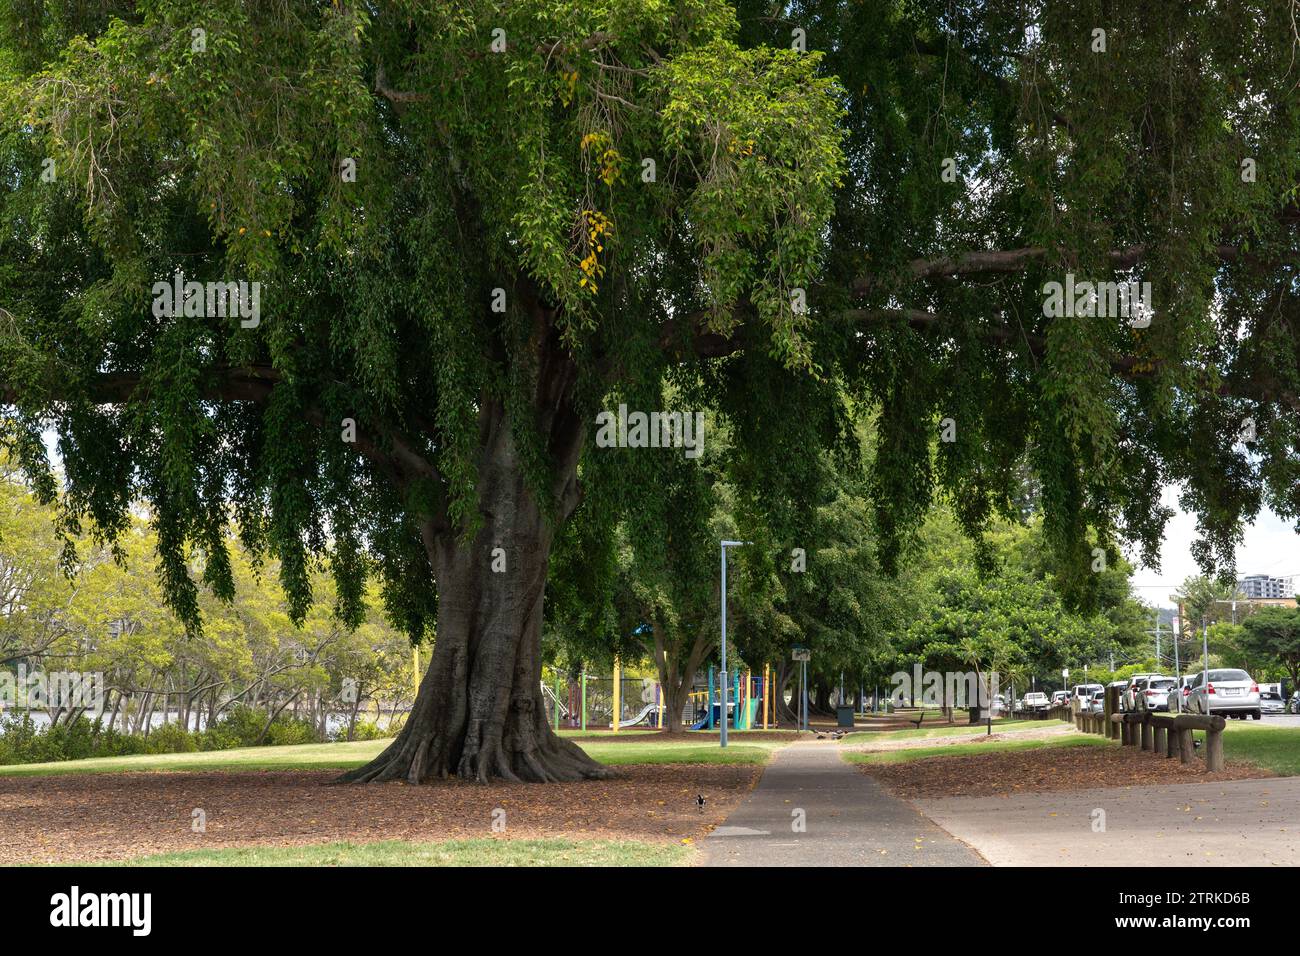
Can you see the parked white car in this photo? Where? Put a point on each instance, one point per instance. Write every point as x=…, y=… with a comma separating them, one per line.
x=1228, y=692
x=1128, y=700
x=1097, y=702
x=1082, y=693
x=1152, y=693
x=1037, y=701
x=1123, y=686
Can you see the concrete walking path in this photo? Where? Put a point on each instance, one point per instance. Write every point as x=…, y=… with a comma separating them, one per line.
x=1233, y=823
x=850, y=820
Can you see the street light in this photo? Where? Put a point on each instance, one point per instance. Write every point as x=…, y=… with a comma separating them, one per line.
x=725, y=546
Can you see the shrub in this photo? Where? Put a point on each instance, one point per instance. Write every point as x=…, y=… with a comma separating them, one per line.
x=23, y=740
x=285, y=731
x=364, y=730
x=171, y=739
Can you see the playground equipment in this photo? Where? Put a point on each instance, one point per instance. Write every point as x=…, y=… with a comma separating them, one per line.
x=591, y=702
x=749, y=699
x=647, y=711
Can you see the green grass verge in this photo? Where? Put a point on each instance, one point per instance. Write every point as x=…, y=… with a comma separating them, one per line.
x=446, y=853
x=344, y=756
x=687, y=752
x=1269, y=746
x=971, y=750
x=948, y=730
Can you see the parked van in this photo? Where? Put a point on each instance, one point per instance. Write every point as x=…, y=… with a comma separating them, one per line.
x=1081, y=694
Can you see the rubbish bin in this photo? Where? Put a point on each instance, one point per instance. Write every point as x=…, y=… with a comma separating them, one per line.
x=844, y=715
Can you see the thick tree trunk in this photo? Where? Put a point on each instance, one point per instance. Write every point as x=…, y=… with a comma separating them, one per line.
x=676, y=684
x=821, y=704
x=784, y=713
x=480, y=714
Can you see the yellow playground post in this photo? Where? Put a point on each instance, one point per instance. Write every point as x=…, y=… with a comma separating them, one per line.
x=415, y=671
x=618, y=688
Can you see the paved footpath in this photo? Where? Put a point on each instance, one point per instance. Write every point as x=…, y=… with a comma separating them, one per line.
x=1233, y=823
x=850, y=820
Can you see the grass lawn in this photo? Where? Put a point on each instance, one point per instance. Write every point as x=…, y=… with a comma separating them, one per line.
x=1270, y=746
x=445, y=853
x=971, y=749
x=946, y=729
x=343, y=756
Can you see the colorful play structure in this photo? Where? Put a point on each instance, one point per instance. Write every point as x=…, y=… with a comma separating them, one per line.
x=591, y=702
x=748, y=703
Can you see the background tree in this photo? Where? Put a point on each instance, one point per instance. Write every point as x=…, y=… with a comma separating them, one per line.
x=1273, y=634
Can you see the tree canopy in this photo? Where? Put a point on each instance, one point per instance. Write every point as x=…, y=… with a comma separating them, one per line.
x=465, y=230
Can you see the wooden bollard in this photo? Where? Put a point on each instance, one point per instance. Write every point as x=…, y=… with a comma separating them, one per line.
x=1213, y=727
x=1214, y=750
x=1165, y=741
x=1146, y=731
x=1110, y=710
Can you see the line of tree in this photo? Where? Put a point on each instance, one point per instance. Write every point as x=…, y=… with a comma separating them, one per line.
x=104, y=614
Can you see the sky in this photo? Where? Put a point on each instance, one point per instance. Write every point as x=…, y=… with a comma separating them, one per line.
x=1270, y=546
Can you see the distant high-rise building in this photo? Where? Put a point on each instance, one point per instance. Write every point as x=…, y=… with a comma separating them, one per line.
x=1260, y=587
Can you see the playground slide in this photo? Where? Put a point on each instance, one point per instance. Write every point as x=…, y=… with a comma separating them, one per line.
x=749, y=719
x=639, y=717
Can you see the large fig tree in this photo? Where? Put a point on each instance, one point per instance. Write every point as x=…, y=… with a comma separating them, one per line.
x=478, y=226
x=462, y=230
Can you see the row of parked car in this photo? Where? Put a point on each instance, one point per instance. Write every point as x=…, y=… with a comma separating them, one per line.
x=1228, y=692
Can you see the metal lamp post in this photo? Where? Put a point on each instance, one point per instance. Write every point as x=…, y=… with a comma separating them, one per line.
x=725, y=546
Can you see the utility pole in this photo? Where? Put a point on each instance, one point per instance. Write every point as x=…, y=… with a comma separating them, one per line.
x=1205, y=636
x=1182, y=619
